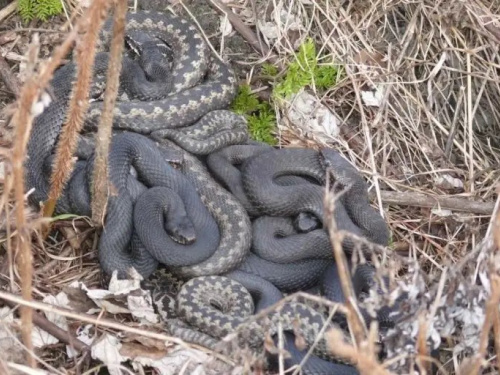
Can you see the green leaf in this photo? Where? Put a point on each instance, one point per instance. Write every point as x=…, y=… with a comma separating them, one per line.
x=325, y=76
x=259, y=115
x=41, y=9
x=303, y=71
x=25, y=8
x=269, y=70
x=245, y=102
x=65, y=217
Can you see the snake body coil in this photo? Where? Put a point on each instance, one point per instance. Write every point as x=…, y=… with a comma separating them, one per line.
x=170, y=208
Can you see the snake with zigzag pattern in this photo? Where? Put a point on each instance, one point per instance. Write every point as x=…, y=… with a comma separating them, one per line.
x=161, y=131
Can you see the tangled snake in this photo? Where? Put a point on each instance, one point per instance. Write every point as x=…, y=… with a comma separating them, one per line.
x=162, y=131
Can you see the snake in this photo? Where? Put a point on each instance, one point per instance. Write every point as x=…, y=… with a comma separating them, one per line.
x=160, y=130
x=276, y=184
x=197, y=86
x=230, y=301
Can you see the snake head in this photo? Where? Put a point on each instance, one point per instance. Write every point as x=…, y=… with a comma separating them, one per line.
x=173, y=157
x=182, y=231
x=306, y=222
x=343, y=172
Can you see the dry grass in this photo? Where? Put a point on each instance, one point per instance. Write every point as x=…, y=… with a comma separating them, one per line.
x=436, y=65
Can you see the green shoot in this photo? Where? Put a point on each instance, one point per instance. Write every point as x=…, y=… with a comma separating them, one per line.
x=41, y=9
x=260, y=115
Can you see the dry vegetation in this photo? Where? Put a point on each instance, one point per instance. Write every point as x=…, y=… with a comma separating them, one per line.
x=429, y=149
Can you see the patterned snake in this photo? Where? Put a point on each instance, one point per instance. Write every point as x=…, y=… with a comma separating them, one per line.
x=162, y=130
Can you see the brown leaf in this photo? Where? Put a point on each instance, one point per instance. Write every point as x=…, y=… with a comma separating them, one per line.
x=145, y=341
x=134, y=350
x=78, y=300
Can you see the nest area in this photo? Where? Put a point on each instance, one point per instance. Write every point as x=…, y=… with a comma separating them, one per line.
x=418, y=114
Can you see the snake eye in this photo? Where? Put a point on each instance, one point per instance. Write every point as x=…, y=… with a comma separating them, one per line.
x=216, y=304
x=132, y=45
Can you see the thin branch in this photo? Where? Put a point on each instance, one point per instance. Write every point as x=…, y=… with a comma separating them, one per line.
x=23, y=119
x=49, y=327
x=8, y=11
x=92, y=22
x=345, y=279
x=243, y=29
x=100, y=175
x=104, y=323
x=432, y=201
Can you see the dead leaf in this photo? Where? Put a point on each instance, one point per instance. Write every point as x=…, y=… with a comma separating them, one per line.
x=308, y=114
x=134, y=350
x=79, y=300
x=145, y=341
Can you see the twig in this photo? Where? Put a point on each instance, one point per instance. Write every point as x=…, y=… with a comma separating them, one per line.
x=345, y=280
x=10, y=79
x=483, y=18
x=100, y=175
x=453, y=127
x=8, y=10
x=363, y=350
x=103, y=322
x=92, y=22
x=22, y=120
x=431, y=201
x=54, y=330
x=368, y=136
x=243, y=29
x=256, y=17
x=422, y=344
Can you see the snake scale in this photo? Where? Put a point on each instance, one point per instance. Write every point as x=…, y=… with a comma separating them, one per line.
x=193, y=194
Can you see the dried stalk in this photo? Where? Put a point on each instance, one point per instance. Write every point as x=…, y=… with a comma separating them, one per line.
x=431, y=201
x=51, y=328
x=92, y=20
x=422, y=344
x=8, y=11
x=243, y=29
x=103, y=322
x=336, y=238
x=100, y=175
x=23, y=119
x=363, y=351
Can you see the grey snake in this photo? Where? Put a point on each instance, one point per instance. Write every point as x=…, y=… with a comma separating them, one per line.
x=182, y=198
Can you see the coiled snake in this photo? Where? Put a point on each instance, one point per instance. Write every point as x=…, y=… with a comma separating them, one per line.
x=184, y=118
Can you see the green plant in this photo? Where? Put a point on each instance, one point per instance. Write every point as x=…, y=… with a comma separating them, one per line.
x=269, y=70
x=262, y=124
x=41, y=9
x=245, y=102
x=259, y=114
x=305, y=70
